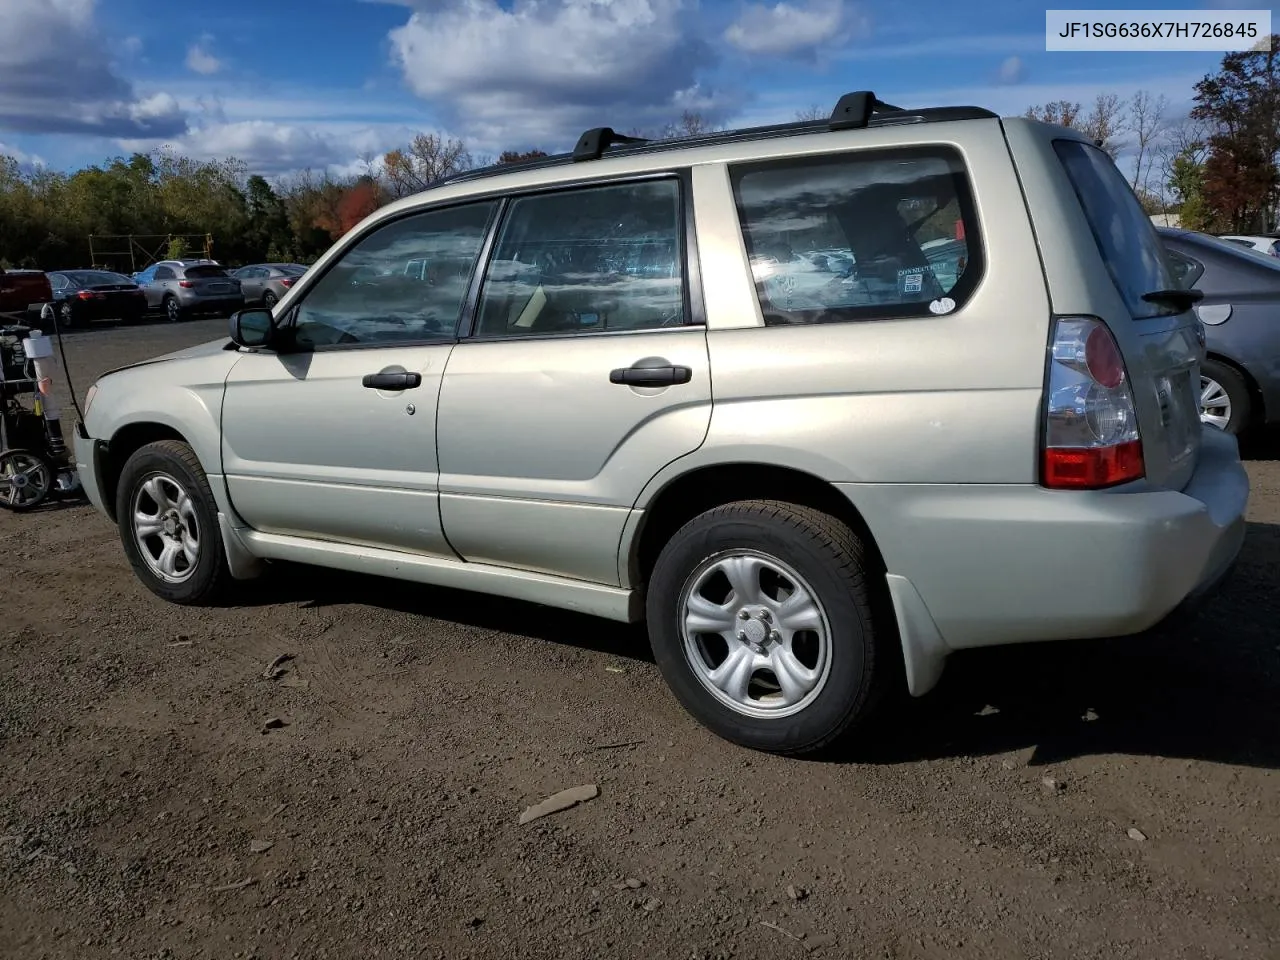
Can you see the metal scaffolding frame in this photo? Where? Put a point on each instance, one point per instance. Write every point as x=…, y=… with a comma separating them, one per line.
x=146, y=248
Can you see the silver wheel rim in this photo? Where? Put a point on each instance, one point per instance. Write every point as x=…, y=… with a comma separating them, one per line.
x=755, y=634
x=171, y=307
x=165, y=528
x=24, y=479
x=1215, y=403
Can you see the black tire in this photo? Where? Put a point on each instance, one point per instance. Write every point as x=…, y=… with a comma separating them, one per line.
x=208, y=576
x=833, y=561
x=1237, y=391
x=172, y=308
x=67, y=318
x=269, y=300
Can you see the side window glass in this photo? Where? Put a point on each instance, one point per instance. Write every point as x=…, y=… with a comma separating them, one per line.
x=369, y=295
x=585, y=261
x=164, y=273
x=859, y=236
x=58, y=282
x=1185, y=270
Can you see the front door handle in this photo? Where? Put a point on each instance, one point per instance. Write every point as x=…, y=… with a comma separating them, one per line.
x=392, y=381
x=639, y=375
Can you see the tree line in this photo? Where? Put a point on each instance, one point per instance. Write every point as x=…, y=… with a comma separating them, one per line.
x=1216, y=167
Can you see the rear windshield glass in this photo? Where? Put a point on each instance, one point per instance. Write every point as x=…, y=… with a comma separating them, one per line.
x=1125, y=235
x=198, y=273
x=97, y=277
x=293, y=270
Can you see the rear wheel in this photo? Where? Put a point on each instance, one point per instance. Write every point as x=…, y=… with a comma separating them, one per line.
x=762, y=621
x=168, y=523
x=1224, y=397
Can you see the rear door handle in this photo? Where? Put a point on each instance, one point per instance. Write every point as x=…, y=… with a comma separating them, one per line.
x=392, y=381
x=655, y=376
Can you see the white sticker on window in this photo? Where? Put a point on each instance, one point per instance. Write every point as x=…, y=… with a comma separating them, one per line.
x=944, y=305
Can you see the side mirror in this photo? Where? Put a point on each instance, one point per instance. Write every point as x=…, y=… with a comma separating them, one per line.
x=253, y=328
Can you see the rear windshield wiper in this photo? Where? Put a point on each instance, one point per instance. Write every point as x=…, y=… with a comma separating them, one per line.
x=1179, y=299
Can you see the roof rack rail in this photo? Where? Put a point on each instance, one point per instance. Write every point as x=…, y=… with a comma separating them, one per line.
x=854, y=110
x=593, y=143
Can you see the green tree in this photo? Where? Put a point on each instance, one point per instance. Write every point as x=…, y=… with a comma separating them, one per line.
x=1241, y=106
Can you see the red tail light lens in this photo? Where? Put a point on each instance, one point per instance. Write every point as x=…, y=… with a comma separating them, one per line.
x=186, y=284
x=1091, y=437
x=84, y=295
x=286, y=281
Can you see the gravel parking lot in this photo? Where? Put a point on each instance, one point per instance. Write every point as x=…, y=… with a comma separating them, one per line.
x=1112, y=799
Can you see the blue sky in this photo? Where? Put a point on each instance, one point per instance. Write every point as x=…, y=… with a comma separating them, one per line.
x=287, y=84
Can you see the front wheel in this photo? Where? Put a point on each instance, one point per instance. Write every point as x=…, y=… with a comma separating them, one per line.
x=269, y=300
x=168, y=524
x=763, y=621
x=172, y=309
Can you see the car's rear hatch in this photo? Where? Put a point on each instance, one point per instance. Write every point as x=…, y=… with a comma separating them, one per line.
x=211, y=281
x=1103, y=258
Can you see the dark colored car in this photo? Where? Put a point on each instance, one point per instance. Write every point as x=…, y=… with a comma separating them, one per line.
x=266, y=283
x=1240, y=380
x=82, y=296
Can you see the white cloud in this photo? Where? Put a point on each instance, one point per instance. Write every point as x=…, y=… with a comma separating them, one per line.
x=201, y=61
x=272, y=148
x=1012, y=70
x=24, y=159
x=56, y=76
x=541, y=71
x=795, y=29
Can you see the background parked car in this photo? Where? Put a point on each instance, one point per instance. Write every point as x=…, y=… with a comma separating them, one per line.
x=22, y=294
x=1240, y=381
x=81, y=296
x=1268, y=245
x=265, y=283
x=184, y=287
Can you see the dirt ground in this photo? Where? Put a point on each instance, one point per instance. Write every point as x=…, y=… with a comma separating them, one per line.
x=1104, y=800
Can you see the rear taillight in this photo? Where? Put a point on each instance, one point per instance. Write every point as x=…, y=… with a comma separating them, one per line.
x=90, y=295
x=286, y=281
x=1091, y=437
x=187, y=284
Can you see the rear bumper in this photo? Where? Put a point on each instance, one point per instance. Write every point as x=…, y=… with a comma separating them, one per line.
x=982, y=565
x=228, y=303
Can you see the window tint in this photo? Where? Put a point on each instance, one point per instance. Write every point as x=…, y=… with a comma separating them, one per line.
x=367, y=296
x=595, y=259
x=97, y=277
x=57, y=281
x=858, y=236
x=203, y=272
x=165, y=273
x=1125, y=235
x=293, y=270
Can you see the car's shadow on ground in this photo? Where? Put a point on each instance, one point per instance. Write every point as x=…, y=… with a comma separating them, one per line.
x=1207, y=688
x=1261, y=445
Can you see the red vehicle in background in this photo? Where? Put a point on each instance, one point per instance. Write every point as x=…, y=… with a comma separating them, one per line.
x=22, y=294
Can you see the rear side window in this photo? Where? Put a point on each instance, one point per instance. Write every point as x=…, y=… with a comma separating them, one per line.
x=1125, y=235
x=1185, y=270
x=865, y=236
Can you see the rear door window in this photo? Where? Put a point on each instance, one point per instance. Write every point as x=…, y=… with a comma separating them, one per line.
x=1124, y=234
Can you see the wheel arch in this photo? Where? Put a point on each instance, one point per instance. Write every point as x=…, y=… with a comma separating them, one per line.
x=123, y=444
x=688, y=494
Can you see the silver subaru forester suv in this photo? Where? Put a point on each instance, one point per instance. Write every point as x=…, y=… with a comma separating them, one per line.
x=821, y=403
